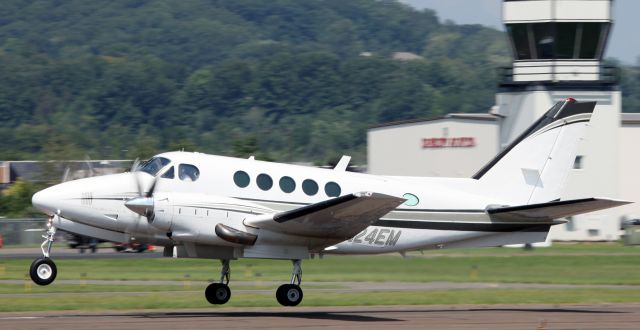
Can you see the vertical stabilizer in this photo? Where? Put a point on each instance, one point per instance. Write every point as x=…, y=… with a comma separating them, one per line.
x=535, y=166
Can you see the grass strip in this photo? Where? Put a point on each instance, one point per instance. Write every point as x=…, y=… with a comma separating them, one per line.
x=566, y=269
x=162, y=300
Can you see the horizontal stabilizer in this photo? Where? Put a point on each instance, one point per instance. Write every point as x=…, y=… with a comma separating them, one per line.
x=338, y=218
x=552, y=210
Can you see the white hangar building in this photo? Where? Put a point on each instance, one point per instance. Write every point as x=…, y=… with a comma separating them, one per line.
x=558, y=47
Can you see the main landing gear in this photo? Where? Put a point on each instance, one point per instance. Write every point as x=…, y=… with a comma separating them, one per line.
x=291, y=294
x=219, y=293
x=287, y=294
x=43, y=270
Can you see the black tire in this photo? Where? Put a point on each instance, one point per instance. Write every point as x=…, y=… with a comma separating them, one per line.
x=43, y=271
x=289, y=295
x=217, y=293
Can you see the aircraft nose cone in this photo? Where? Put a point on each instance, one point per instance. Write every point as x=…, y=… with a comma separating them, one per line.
x=44, y=201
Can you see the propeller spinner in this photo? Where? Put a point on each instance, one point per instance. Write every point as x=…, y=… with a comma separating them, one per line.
x=143, y=204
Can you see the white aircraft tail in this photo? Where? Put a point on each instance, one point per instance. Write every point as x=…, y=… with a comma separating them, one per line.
x=534, y=167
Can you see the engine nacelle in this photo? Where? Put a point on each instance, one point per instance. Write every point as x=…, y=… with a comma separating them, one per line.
x=162, y=218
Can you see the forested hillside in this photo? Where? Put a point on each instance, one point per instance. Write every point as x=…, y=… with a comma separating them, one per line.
x=291, y=80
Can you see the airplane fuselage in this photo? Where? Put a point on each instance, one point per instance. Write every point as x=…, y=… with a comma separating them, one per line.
x=438, y=212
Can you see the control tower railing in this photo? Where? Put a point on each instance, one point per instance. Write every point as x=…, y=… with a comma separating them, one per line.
x=591, y=72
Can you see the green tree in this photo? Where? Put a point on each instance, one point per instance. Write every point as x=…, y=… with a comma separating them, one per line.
x=15, y=201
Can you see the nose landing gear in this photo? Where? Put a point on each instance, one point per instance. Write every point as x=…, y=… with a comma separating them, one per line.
x=219, y=293
x=43, y=270
x=291, y=294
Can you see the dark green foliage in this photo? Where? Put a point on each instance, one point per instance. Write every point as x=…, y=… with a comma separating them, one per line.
x=283, y=78
x=15, y=201
x=630, y=85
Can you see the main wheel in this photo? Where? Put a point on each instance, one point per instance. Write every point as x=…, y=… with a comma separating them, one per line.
x=43, y=271
x=289, y=295
x=217, y=293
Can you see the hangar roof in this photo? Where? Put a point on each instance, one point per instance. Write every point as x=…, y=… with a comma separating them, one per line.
x=450, y=116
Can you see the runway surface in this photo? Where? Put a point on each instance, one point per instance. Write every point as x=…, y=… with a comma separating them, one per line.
x=378, y=317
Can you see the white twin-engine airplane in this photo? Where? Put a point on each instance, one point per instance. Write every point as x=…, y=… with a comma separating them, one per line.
x=204, y=206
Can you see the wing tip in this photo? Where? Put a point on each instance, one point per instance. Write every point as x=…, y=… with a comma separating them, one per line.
x=617, y=202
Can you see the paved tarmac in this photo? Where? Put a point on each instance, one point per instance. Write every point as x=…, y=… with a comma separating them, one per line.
x=309, y=286
x=497, y=317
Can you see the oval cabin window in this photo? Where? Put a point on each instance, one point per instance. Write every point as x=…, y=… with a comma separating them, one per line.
x=332, y=189
x=264, y=182
x=241, y=179
x=309, y=187
x=287, y=184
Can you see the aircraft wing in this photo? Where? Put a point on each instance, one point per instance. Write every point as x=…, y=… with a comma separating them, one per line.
x=552, y=210
x=338, y=218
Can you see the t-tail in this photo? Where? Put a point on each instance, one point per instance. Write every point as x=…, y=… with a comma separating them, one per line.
x=530, y=174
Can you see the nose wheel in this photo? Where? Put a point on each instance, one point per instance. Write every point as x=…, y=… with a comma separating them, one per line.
x=43, y=270
x=291, y=294
x=219, y=293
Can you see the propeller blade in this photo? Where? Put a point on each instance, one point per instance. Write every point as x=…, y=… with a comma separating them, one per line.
x=135, y=165
x=152, y=188
x=65, y=176
x=87, y=160
x=138, y=183
x=142, y=205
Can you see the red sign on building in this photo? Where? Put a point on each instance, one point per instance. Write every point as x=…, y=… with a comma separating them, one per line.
x=444, y=142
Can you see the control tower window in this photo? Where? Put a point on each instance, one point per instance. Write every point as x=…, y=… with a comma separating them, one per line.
x=544, y=39
x=520, y=39
x=590, y=42
x=563, y=40
x=566, y=40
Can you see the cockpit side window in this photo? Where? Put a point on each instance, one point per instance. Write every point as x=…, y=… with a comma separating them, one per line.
x=168, y=174
x=153, y=165
x=187, y=172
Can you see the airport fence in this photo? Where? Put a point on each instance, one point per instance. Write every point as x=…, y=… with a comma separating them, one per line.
x=22, y=231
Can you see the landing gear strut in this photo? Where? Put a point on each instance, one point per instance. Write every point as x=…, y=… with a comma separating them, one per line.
x=43, y=270
x=219, y=293
x=291, y=294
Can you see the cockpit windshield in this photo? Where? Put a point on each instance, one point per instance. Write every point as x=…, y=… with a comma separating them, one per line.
x=153, y=165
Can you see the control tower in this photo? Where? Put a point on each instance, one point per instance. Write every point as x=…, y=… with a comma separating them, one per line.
x=557, y=47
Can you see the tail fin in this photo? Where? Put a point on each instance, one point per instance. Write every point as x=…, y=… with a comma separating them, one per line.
x=535, y=166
